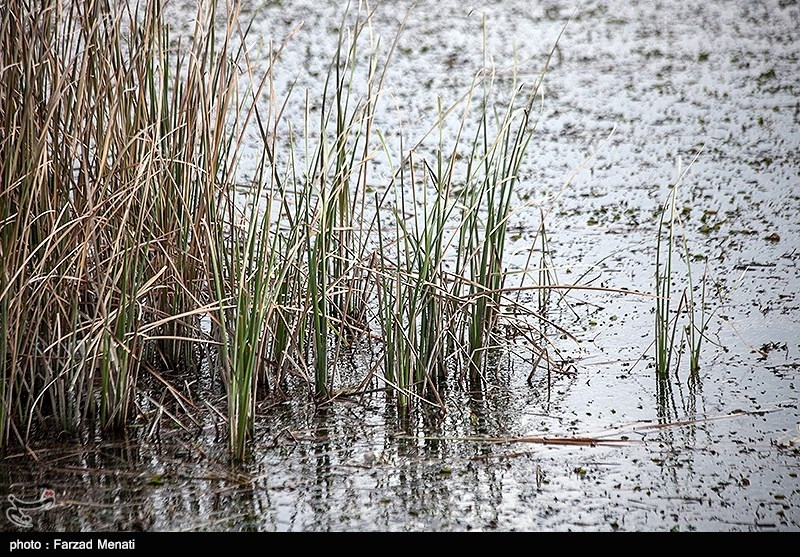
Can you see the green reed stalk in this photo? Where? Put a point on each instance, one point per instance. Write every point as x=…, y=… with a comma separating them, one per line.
x=698, y=320
x=664, y=327
x=251, y=262
x=245, y=264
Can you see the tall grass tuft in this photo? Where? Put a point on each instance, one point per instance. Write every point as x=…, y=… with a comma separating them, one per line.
x=667, y=315
x=82, y=177
x=333, y=197
x=441, y=288
x=498, y=151
x=412, y=297
x=112, y=147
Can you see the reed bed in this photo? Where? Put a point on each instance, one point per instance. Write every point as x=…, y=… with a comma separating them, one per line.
x=131, y=248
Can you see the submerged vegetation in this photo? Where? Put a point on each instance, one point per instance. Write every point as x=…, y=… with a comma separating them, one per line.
x=132, y=251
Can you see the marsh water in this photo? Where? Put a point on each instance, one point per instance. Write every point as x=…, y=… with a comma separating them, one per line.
x=636, y=95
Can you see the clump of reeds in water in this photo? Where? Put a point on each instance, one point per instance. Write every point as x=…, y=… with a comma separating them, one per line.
x=123, y=225
x=113, y=148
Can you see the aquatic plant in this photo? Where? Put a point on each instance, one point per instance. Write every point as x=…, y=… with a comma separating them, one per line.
x=696, y=312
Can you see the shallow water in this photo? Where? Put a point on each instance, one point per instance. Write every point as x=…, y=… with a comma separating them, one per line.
x=635, y=92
